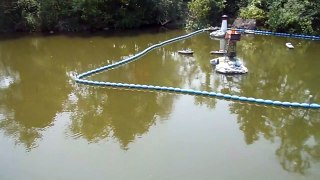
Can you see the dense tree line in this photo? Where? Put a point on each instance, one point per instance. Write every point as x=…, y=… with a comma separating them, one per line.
x=82, y=15
x=284, y=15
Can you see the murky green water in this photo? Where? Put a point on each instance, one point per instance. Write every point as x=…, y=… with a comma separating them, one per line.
x=53, y=128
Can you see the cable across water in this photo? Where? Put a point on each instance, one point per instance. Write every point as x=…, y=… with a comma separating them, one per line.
x=81, y=78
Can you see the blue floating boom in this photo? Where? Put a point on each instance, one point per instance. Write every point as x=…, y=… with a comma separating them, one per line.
x=79, y=78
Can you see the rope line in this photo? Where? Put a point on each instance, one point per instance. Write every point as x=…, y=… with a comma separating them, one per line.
x=80, y=78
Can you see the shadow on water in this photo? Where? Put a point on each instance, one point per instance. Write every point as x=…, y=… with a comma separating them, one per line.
x=125, y=115
x=120, y=115
x=30, y=90
x=102, y=34
x=296, y=130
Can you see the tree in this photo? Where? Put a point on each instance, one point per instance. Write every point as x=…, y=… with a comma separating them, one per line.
x=168, y=10
x=294, y=16
x=204, y=12
x=252, y=11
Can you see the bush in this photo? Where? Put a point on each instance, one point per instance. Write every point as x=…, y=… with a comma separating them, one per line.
x=204, y=12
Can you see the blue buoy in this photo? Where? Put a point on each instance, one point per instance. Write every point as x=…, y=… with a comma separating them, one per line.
x=295, y=104
x=235, y=97
x=212, y=94
x=315, y=105
x=219, y=95
x=305, y=105
x=197, y=92
x=206, y=93
x=277, y=103
x=227, y=96
x=243, y=98
x=268, y=102
x=259, y=100
x=250, y=99
x=285, y=104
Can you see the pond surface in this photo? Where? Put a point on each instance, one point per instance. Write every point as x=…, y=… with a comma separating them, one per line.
x=54, y=128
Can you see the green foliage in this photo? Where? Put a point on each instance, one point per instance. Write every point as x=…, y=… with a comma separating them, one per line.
x=52, y=12
x=168, y=10
x=252, y=12
x=30, y=13
x=296, y=16
x=78, y=15
x=292, y=15
x=201, y=12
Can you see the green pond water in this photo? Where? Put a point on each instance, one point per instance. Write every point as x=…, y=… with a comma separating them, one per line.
x=54, y=128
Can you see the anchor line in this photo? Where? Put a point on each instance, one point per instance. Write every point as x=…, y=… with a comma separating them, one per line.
x=80, y=78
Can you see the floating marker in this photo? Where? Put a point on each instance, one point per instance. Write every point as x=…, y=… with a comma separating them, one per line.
x=259, y=100
x=268, y=102
x=198, y=92
x=305, y=105
x=219, y=95
x=295, y=104
x=235, y=97
x=315, y=105
x=205, y=93
x=285, y=104
x=243, y=98
x=250, y=99
x=278, y=103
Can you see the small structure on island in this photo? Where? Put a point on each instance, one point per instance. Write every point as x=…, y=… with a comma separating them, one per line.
x=222, y=31
x=230, y=64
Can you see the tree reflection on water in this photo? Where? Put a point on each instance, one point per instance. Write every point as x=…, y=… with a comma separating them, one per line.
x=296, y=129
x=30, y=103
x=122, y=115
x=278, y=74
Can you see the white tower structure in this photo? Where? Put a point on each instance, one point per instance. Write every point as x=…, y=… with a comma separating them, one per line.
x=224, y=24
x=222, y=31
